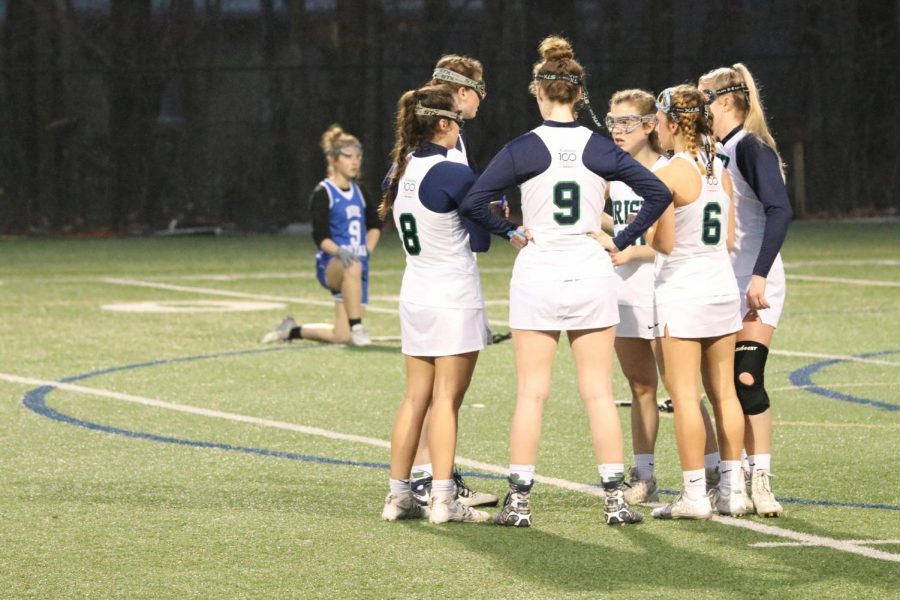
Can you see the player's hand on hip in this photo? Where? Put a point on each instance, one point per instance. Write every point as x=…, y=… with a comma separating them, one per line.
x=604, y=240
x=519, y=238
x=623, y=257
x=756, y=293
x=346, y=256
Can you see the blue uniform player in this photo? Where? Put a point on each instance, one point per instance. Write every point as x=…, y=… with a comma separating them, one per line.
x=346, y=229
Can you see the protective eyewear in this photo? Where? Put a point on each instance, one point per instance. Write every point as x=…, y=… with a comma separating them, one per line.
x=351, y=151
x=713, y=95
x=664, y=104
x=627, y=123
x=448, y=76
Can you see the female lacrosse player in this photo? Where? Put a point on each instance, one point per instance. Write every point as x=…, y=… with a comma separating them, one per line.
x=632, y=123
x=562, y=281
x=346, y=230
x=462, y=77
x=441, y=308
x=697, y=305
x=761, y=223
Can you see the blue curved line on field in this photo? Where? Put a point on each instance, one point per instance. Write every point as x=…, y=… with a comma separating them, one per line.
x=802, y=378
x=35, y=401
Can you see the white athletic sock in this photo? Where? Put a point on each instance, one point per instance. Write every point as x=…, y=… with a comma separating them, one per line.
x=644, y=464
x=611, y=474
x=745, y=461
x=521, y=474
x=711, y=463
x=443, y=488
x=421, y=471
x=732, y=478
x=400, y=487
x=694, y=484
x=762, y=462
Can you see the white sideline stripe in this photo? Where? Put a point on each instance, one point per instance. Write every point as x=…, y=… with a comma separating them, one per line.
x=560, y=483
x=855, y=542
x=844, y=262
x=808, y=539
x=841, y=280
x=390, y=311
x=230, y=294
x=870, y=361
x=831, y=386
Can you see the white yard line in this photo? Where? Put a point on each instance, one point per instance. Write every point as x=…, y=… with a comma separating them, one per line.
x=854, y=542
x=231, y=294
x=843, y=357
x=843, y=281
x=807, y=539
x=833, y=386
x=843, y=262
x=392, y=311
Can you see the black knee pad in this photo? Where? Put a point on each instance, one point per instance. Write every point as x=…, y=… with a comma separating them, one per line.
x=750, y=357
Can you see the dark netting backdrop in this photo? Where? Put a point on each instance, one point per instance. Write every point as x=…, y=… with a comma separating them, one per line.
x=131, y=115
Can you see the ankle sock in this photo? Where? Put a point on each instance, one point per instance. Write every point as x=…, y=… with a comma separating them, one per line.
x=644, y=464
x=761, y=462
x=732, y=478
x=400, y=487
x=295, y=333
x=611, y=475
x=443, y=488
x=694, y=484
x=521, y=475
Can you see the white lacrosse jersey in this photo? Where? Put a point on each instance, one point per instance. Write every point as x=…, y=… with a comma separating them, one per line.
x=560, y=206
x=749, y=216
x=440, y=267
x=699, y=264
x=637, y=278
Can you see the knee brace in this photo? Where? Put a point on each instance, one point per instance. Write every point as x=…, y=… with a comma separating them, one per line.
x=750, y=358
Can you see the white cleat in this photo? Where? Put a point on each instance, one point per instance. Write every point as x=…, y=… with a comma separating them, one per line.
x=470, y=497
x=733, y=504
x=397, y=508
x=763, y=499
x=640, y=491
x=359, y=336
x=282, y=333
x=449, y=508
x=685, y=508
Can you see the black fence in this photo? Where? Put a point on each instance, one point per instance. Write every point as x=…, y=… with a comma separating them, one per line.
x=127, y=115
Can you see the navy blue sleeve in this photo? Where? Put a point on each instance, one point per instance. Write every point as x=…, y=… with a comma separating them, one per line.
x=518, y=161
x=612, y=163
x=444, y=186
x=758, y=164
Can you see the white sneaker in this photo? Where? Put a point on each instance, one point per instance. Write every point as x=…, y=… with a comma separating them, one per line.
x=359, y=336
x=448, y=508
x=763, y=499
x=685, y=508
x=470, y=497
x=282, y=333
x=640, y=491
x=731, y=505
x=402, y=507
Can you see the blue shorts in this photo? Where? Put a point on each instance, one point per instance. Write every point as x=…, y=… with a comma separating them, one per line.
x=322, y=262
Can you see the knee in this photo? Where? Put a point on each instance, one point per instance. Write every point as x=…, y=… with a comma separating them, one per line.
x=354, y=270
x=749, y=377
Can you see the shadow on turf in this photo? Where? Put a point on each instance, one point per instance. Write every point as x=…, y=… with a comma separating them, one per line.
x=632, y=558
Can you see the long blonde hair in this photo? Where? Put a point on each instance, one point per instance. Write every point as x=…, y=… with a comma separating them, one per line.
x=749, y=104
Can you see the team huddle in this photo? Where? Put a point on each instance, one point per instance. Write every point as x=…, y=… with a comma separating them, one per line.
x=660, y=244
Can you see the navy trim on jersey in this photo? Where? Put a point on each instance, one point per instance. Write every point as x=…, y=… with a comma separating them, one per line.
x=444, y=186
x=430, y=149
x=518, y=161
x=731, y=134
x=612, y=163
x=758, y=165
x=573, y=124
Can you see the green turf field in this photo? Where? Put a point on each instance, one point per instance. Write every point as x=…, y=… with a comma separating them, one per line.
x=142, y=493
